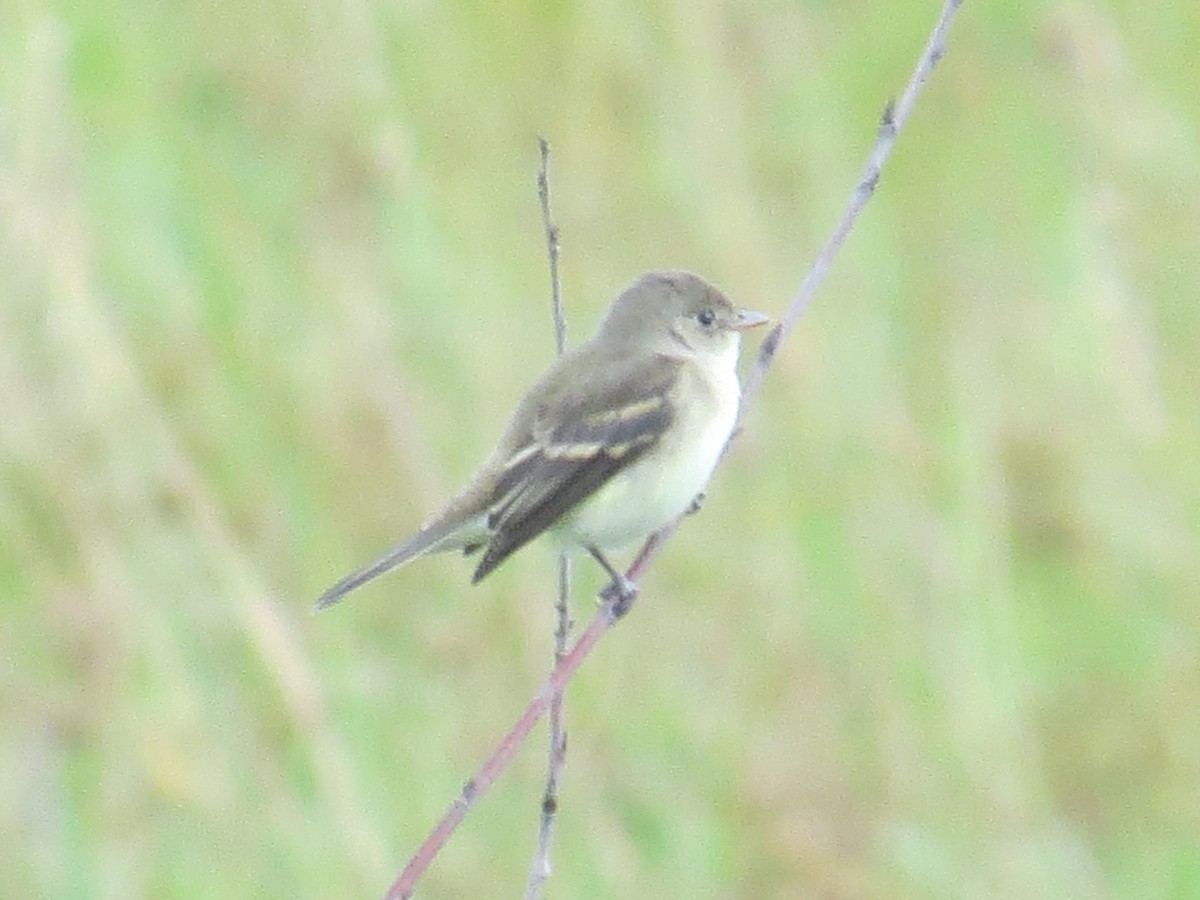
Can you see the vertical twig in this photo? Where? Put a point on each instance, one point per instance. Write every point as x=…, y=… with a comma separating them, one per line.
x=402, y=887
x=543, y=189
x=539, y=869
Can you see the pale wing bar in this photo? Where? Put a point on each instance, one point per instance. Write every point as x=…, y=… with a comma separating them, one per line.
x=550, y=478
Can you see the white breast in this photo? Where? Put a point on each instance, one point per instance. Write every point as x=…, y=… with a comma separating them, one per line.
x=660, y=486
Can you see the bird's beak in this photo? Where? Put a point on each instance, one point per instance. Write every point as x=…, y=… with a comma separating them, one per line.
x=748, y=318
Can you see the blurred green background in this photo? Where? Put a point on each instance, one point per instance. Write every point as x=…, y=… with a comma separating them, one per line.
x=271, y=276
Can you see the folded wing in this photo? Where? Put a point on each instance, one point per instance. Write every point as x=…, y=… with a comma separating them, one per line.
x=575, y=447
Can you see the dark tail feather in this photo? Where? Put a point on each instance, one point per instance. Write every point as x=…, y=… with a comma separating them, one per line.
x=397, y=556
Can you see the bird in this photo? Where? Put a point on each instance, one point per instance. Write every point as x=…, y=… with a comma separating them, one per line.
x=616, y=439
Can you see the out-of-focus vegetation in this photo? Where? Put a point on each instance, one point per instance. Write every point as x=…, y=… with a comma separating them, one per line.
x=272, y=274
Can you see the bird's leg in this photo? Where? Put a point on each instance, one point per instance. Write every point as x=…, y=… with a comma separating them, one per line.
x=620, y=591
x=694, y=506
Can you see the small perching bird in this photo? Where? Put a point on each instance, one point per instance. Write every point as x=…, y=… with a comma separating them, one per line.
x=615, y=440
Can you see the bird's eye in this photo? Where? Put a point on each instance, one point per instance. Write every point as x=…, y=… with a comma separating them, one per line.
x=706, y=317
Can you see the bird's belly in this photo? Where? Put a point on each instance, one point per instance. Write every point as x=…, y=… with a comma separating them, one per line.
x=654, y=490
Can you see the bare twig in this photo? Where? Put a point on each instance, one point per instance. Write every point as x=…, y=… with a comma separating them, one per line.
x=543, y=189
x=895, y=114
x=614, y=606
x=402, y=887
x=539, y=869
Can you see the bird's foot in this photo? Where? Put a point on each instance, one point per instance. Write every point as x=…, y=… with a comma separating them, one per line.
x=694, y=506
x=621, y=592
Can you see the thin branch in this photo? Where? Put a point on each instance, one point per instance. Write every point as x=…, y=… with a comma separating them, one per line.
x=615, y=605
x=539, y=869
x=543, y=189
x=895, y=114
x=402, y=887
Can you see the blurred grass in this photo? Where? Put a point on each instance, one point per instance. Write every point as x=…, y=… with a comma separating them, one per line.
x=270, y=278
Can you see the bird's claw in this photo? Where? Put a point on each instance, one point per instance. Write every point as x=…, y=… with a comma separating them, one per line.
x=621, y=593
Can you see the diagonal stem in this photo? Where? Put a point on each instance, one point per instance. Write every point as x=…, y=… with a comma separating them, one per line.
x=612, y=607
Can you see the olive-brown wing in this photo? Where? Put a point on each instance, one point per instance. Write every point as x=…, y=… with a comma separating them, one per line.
x=577, y=446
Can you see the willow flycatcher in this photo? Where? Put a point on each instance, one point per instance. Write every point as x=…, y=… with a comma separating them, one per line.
x=614, y=441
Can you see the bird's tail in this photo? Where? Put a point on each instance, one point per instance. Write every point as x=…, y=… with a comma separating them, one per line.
x=438, y=535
